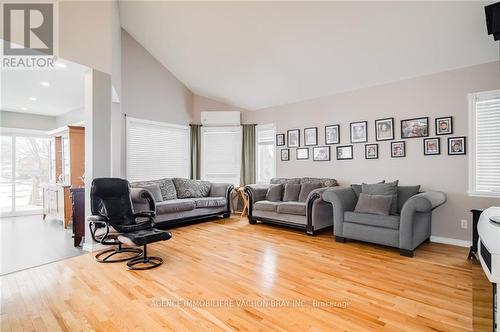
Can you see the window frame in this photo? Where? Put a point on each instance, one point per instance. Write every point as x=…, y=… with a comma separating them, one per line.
x=472, y=97
x=268, y=126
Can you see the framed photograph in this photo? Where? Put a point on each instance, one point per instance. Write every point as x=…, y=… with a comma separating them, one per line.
x=332, y=134
x=344, y=152
x=359, y=133
x=444, y=126
x=384, y=129
x=311, y=136
x=285, y=154
x=302, y=154
x=418, y=127
x=321, y=153
x=293, y=138
x=371, y=151
x=432, y=146
x=456, y=145
x=398, y=149
x=280, y=139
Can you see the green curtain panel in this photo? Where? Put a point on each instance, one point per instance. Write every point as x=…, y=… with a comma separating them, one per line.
x=248, y=155
x=195, y=131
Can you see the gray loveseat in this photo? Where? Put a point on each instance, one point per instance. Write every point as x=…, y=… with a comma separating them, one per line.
x=309, y=212
x=406, y=230
x=180, y=200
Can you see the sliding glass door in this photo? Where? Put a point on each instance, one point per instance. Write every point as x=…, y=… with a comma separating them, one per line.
x=24, y=169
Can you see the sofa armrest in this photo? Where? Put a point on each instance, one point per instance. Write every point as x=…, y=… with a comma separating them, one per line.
x=342, y=200
x=318, y=212
x=255, y=193
x=142, y=197
x=220, y=189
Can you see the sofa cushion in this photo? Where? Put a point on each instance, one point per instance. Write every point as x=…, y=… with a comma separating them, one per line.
x=285, y=180
x=205, y=202
x=391, y=222
x=388, y=188
x=274, y=193
x=325, y=182
x=166, y=185
x=404, y=193
x=306, y=188
x=292, y=191
x=155, y=191
x=187, y=188
x=357, y=188
x=266, y=206
x=375, y=204
x=298, y=208
x=175, y=205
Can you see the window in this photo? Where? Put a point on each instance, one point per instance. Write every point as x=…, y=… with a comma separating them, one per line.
x=484, y=176
x=221, y=154
x=156, y=150
x=265, y=167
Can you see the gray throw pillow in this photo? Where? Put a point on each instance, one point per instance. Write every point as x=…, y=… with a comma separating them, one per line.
x=389, y=188
x=374, y=204
x=292, y=192
x=166, y=185
x=155, y=191
x=404, y=193
x=274, y=193
x=357, y=188
x=187, y=188
x=306, y=189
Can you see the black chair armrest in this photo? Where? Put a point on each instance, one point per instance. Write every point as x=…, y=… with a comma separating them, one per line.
x=95, y=218
x=96, y=222
x=146, y=214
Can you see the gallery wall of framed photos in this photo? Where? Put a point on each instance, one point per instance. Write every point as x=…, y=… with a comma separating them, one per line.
x=383, y=129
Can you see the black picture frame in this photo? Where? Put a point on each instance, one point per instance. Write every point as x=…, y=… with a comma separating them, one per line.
x=438, y=122
x=464, y=145
x=301, y=149
x=376, y=151
x=341, y=147
x=403, y=143
x=293, y=131
x=337, y=140
x=438, y=152
x=287, y=157
x=377, y=137
x=315, y=129
x=327, y=148
x=278, y=136
x=362, y=140
x=403, y=127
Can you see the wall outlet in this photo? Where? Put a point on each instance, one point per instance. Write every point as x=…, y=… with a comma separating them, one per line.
x=464, y=223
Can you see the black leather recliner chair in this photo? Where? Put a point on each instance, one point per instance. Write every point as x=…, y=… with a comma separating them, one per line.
x=114, y=222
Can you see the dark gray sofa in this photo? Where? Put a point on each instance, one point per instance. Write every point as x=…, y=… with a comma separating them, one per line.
x=312, y=215
x=406, y=230
x=182, y=200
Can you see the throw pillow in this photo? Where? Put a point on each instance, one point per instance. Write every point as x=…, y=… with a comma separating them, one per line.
x=306, y=189
x=389, y=188
x=404, y=193
x=292, y=192
x=326, y=182
x=357, y=188
x=187, y=188
x=155, y=191
x=374, y=204
x=166, y=185
x=274, y=193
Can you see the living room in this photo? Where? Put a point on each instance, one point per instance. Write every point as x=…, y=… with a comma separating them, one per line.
x=279, y=166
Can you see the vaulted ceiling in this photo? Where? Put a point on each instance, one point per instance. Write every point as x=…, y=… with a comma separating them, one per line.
x=260, y=54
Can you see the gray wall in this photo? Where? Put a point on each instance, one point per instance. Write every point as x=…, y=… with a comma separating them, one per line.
x=434, y=96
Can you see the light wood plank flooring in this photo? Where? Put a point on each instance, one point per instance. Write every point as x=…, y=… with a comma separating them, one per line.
x=243, y=275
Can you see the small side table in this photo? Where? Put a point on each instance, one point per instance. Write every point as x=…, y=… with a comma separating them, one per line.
x=476, y=213
x=242, y=196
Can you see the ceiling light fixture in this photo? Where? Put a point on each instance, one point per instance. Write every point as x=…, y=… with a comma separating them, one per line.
x=45, y=84
x=33, y=98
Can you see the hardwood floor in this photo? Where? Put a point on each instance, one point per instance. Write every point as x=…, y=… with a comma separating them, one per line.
x=227, y=264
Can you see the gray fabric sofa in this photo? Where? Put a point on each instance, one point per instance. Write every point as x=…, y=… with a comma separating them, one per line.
x=181, y=200
x=406, y=230
x=312, y=214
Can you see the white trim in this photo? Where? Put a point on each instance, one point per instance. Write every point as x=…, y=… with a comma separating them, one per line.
x=453, y=242
x=157, y=123
x=92, y=247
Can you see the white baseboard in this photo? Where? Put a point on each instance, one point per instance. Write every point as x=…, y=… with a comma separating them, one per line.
x=91, y=247
x=453, y=242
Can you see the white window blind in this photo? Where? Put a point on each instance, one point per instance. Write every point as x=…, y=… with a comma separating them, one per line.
x=156, y=150
x=221, y=154
x=265, y=159
x=485, y=145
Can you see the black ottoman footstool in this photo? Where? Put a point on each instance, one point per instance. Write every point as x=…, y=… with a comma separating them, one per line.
x=142, y=238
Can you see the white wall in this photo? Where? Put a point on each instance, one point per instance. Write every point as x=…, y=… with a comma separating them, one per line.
x=27, y=121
